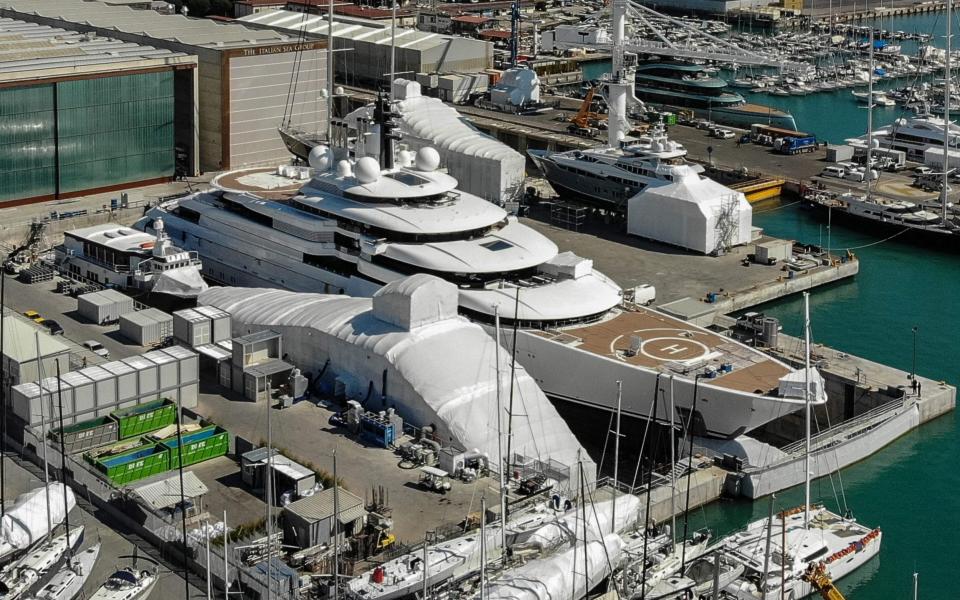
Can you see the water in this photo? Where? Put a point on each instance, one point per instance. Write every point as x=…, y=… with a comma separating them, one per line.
x=909, y=488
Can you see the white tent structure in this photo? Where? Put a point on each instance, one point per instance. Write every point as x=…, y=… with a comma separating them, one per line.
x=407, y=348
x=695, y=213
x=482, y=165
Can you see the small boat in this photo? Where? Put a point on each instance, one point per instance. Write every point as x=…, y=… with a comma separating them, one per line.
x=127, y=584
x=68, y=583
x=26, y=572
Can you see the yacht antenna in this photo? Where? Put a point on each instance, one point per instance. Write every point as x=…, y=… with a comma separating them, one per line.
x=330, y=81
x=514, y=32
x=393, y=46
x=384, y=118
x=806, y=404
x=947, y=96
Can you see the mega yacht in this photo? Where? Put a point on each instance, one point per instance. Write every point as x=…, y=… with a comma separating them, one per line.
x=609, y=176
x=359, y=224
x=913, y=136
x=686, y=85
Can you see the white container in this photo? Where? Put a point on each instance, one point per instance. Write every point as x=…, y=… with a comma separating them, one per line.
x=220, y=321
x=105, y=306
x=147, y=377
x=104, y=389
x=189, y=362
x=167, y=369
x=53, y=398
x=84, y=395
x=25, y=399
x=147, y=327
x=192, y=328
x=126, y=379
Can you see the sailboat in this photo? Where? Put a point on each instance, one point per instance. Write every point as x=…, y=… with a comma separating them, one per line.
x=26, y=572
x=68, y=583
x=127, y=584
x=782, y=552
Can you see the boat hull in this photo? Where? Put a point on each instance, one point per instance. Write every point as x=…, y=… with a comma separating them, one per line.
x=938, y=238
x=594, y=191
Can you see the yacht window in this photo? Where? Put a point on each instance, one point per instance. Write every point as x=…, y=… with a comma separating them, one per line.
x=497, y=245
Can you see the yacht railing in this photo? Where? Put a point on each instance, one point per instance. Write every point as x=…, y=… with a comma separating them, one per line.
x=149, y=266
x=849, y=429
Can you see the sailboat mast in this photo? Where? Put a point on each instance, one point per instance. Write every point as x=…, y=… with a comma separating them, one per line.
x=269, y=497
x=63, y=465
x=673, y=471
x=483, y=548
x=43, y=438
x=870, y=116
x=3, y=397
x=393, y=45
x=806, y=408
x=501, y=466
x=513, y=373
x=330, y=78
x=226, y=562
x=336, y=530
x=616, y=459
x=947, y=89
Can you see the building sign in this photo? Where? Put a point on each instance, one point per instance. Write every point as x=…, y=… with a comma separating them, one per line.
x=281, y=49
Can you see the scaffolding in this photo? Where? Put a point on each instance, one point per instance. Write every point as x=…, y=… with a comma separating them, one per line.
x=727, y=223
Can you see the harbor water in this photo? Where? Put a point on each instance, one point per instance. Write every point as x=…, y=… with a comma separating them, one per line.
x=909, y=489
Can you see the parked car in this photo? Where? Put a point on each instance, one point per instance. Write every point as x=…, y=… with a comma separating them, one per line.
x=53, y=327
x=97, y=348
x=923, y=170
x=837, y=172
x=33, y=316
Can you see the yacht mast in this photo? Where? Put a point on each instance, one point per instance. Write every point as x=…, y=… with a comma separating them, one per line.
x=393, y=46
x=947, y=89
x=673, y=472
x=330, y=74
x=43, y=440
x=501, y=467
x=806, y=408
x=616, y=459
x=870, y=118
x=63, y=467
x=619, y=86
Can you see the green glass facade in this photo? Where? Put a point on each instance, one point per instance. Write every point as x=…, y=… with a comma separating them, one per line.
x=86, y=134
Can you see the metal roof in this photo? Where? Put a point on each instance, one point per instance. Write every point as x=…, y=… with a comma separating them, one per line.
x=320, y=506
x=204, y=33
x=20, y=341
x=26, y=46
x=166, y=492
x=351, y=31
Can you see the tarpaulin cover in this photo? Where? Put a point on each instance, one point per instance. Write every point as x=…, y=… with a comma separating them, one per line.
x=26, y=522
x=183, y=283
x=599, y=516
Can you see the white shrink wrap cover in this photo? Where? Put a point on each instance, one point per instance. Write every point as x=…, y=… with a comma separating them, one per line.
x=26, y=522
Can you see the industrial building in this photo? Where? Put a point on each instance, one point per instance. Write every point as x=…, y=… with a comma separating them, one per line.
x=365, y=57
x=21, y=342
x=243, y=90
x=81, y=113
x=309, y=521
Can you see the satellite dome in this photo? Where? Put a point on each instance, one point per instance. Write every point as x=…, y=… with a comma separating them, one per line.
x=338, y=91
x=344, y=169
x=320, y=158
x=428, y=159
x=405, y=158
x=368, y=170
x=874, y=143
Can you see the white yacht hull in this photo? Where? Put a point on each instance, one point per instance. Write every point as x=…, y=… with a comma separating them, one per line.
x=68, y=583
x=566, y=373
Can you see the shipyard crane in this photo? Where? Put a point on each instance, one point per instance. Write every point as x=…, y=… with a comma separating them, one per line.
x=587, y=117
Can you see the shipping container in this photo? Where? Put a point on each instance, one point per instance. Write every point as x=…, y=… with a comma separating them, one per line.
x=56, y=393
x=210, y=442
x=220, y=323
x=189, y=363
x=132, y=465
x=147, y=377
x=191, y=328
x=87, y=434
x=168, y=369
x=144, y=418
x=25, y=399
x=126, y=379
x=104, y=307
x=84, y=395
x=147, y=327
x=104, y=386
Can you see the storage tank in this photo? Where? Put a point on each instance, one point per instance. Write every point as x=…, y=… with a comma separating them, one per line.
x=770, y=334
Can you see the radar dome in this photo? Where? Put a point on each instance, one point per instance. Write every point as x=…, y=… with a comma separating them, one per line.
x=405, y=158
x=874, y=143
x=320, y=158
x=338, y=91
x=344, y=169
x=368, y=170
x=428, y=159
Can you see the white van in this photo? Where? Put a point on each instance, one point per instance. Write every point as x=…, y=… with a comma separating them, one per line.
x=837, y=172
x=859, y=176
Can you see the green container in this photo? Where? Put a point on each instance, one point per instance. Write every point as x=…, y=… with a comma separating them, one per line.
x=87, y=434
x=669, y=119
x=134, y=464
x=210, y=442
x=143, y=418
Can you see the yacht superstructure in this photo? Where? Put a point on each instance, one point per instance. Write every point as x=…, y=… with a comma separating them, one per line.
x=358, y=225
x=913, y=136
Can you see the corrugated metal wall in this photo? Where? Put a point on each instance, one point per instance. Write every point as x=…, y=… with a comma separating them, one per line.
x=105, y=131
x=27, y=151
x=115, y=130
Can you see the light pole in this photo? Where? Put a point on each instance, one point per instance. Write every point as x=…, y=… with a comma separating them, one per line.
x=913, y=372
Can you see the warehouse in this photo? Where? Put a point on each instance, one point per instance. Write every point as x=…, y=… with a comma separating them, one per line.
x=365, y=59
x=243, y=92
x=82, y=113
x=20, y=343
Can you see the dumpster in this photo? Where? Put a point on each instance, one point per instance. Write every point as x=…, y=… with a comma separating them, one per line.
x=142, y=461
x=87, y=434
x=210, y=442
x=146, y=417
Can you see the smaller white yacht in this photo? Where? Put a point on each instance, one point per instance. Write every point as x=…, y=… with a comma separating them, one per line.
x=68, y=583
x=609, y=176
x=913, y=136
x=26, y=572
x=123, y=257
x=128, y=583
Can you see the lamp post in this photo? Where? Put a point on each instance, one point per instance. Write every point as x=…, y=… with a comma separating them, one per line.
x=913, y=372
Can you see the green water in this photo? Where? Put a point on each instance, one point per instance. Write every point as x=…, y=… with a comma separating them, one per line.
x=909, y=489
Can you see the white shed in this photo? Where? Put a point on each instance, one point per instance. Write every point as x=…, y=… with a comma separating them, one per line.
x=695, y=213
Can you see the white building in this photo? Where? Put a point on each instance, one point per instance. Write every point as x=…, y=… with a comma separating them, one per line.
x=695, y=213
x=408, y=349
